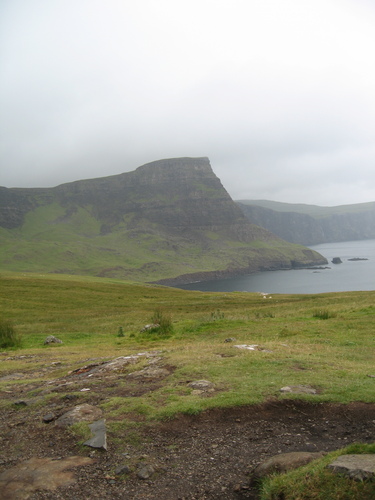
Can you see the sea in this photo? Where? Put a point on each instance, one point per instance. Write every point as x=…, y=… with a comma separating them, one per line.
x=349, y=275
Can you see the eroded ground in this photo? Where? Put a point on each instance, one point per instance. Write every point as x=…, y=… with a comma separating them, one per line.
x=208, y=456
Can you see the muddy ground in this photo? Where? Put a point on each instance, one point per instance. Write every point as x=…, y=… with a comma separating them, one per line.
x=206, y=456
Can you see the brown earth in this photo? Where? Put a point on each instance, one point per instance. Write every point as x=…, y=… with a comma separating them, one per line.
x=206, y=456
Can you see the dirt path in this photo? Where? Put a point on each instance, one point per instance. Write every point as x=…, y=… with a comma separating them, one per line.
x=208, y=456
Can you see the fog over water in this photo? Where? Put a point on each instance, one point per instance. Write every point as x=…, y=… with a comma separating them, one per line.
x=348, y=276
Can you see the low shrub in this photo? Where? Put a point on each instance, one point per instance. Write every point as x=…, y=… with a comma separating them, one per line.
x=216, y=315
x=9, y=337
x=324, y=314
x=163, y=320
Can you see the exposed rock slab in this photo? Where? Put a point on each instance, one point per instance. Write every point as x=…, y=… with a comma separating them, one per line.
x=359, y=467
x=150, y=372
x=285, y=462
x=18, y=483
x=99, y=440
x=81, y=413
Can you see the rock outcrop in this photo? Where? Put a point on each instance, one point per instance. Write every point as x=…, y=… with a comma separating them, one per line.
x=310, y=224
x=163, y=220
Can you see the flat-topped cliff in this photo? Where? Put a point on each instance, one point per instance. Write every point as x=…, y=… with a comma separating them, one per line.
x=165, y=219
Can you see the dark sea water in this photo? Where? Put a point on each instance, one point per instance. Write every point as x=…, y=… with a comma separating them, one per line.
x=348, y=276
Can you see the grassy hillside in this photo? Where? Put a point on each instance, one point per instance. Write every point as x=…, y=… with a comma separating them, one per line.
x=335, y=354
x=323, y=341
x=165, y=219
x=48, y=241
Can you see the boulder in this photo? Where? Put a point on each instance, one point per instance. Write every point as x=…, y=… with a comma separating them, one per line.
x=284, y=462
x=99, y=440
x=336, y=260
x=358, y=467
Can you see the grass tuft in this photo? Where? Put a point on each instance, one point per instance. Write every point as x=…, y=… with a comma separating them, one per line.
x=9, y=337
x=324, y=314
x=163, y=320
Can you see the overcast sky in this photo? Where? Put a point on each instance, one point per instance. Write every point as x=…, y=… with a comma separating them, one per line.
x=279, y=94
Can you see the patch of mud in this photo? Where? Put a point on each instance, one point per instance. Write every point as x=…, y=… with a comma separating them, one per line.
x=207, y=456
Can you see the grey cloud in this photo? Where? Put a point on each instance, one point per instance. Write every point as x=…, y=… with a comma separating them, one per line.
x=278, y=95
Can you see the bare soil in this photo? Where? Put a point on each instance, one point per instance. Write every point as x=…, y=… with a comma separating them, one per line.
x=206, y=456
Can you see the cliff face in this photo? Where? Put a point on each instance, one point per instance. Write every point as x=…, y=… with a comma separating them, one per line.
x=324, y=225
x=164, y=219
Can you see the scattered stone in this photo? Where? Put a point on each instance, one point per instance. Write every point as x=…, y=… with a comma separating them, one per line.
x=12, y=376
x=99, y=440
x=52, y=340
x=358, y=467
x=19, y=483
x=152, y=326
x=150, y=372
x=202, y=386
x=20, y=403
x=122, y=469
x=253, y=347
x=284, y=462
x=70, y=397
x=81, y=413
x=298, y=389
x=371, y=376
x=50, y=417
x=145, y=471
x=230, y=339
x=118, y=364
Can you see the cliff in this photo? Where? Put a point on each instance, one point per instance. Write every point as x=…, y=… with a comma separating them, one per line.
x=311, y=224
x=163, y=220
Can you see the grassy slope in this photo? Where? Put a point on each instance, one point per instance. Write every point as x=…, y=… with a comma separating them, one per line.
x=75, y=245
x=334, y=355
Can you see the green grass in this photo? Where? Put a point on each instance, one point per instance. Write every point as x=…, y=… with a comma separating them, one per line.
x=57, y=239
x=326, y=341
x=9, y=337
x=316, y=482
x=335, y=355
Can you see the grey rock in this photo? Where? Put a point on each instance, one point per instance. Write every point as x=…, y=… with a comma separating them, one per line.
x=122, y=469
x=336, y=260
x=202, y=385
x=21, y=402
x=252, y=347
x=152, y=326
x=50, y=417
x=51, y=339
x=230, y=339
x=298, y=389
x=150, y=372
x=145, y=472
x=99, y=440
x=285, y=462
x=81, y=413
x=358, y=467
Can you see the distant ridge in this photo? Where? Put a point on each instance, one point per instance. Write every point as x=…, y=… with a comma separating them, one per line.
x=167, y=220
x=312, y=224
